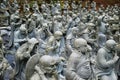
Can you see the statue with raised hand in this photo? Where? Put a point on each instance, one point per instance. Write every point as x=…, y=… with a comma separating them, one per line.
x=79, y=67
x=106, y=60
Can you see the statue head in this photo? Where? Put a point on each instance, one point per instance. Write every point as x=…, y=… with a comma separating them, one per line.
x=110, y=44
x=90, y=26
x=59, y=18
x=32, y=44
x=105, y=19
x=82, y=26
x=44, y=26
x=58, y=35
x=35, y=6
x=81, y=45
x=22, y=29
x=75, y=30
x=45, y=15
x=34, y=16
x=48, y=64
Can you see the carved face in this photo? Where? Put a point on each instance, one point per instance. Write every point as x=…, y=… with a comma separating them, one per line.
x=75, y=30
x=83, y=48
x=58, y=35
x=23, y=29
x=48, y=64
x=111, y=44
x=51, y=68
x=81, y=45
x=105, y=19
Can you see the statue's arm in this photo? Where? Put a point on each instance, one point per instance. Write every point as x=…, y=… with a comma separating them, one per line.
x=41, y=74
x=103, y=62
x=17, y=40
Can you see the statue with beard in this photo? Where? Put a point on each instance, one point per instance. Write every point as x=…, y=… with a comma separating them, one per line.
x=78, y=67
x=42, y=68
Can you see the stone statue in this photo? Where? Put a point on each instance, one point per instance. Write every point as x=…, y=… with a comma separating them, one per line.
x=15, y=20
x=5, y=34
x=24, y=52
x=44, y=7
x=42, y=35
x=35, y=7
x=65, y=7
x=56, y=49
x=30, y=26
x=74, y=6
x=4, y=14
x=59, y=40
x=6, y=71
x=84, y=33
x=78, y=67
x=58, y=23
x=42, y=68
x=79, y=6
x=14, y=6
x=102, y=29
x=106, y=60
x=93, y=5
x=70, y=39
x=27, y=13
x=20, y=36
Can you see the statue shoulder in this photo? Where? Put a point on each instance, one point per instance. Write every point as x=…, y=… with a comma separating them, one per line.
x=74, y=56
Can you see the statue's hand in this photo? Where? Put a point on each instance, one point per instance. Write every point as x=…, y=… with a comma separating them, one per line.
x=116, y=57
x=39, y=70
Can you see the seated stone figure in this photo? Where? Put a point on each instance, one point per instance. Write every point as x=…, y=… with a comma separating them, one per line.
x=6, y=71
x=78, y=67
x=20, y=36
x=70, y=39
x=42, y=68
x=24, y=52
x=106, y=60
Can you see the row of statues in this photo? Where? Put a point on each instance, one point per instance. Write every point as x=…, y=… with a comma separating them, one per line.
x=49, y=43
